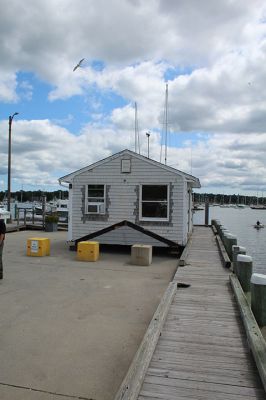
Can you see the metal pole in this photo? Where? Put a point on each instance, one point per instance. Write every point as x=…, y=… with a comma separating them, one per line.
x=9, y=165
x=10, y=119
x=148, y=136
x=206, y=212
x=25, y=219
x=43, y=210
x=166, y=123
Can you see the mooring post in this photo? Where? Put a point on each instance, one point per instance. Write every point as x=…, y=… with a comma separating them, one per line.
x=237, y=250
x=215, y=222
x=229, y=241
x=206, y=212
x=18, y=210
x=43, y=210
x=223, y=231
x=219, y=228
x=244, y=269
x=258, y=298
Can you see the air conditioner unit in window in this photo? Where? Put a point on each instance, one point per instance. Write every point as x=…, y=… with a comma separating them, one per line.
x=96, y=208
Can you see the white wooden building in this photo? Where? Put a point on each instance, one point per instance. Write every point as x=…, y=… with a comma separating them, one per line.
x=127, y=199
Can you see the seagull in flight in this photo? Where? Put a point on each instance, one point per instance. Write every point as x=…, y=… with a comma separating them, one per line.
x=78, y=64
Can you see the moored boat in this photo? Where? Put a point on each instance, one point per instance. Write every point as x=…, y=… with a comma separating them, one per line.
x=258, y=207
x=258, y=226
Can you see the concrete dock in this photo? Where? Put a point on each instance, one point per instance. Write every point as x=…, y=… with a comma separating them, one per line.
x=70, y=329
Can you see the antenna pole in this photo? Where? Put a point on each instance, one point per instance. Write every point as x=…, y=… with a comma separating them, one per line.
x=135, y=127
x=137, y=142
x=148, y=136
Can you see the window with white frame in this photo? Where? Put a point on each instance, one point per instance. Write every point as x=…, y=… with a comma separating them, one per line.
x=95, y=199
x=154, y=202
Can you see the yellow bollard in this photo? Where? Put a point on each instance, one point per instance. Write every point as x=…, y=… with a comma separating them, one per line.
x=38, y=247
x=88, y=251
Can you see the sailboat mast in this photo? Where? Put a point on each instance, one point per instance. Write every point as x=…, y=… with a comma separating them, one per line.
x=137, y=142
x=136, y=127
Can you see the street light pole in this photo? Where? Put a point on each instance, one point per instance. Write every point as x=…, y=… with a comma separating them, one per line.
x=10, y=119
x=148, y=136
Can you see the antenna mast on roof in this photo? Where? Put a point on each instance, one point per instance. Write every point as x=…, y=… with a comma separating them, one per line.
x=137, y=144
x=165, y=127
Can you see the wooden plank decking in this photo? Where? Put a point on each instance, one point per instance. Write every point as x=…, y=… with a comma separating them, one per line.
x=202, y=352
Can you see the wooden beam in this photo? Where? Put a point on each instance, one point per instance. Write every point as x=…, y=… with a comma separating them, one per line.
x=255, y=339
x=138, y=228
x=224, y=256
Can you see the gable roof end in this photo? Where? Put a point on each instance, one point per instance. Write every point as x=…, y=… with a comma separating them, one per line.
x=189, y=178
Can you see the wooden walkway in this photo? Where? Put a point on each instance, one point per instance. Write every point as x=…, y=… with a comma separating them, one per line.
x=202, y=352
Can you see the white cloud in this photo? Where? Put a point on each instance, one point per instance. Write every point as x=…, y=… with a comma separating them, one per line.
x=48, y=37
x=43, y=151
x=217, y=50
x=8, y=86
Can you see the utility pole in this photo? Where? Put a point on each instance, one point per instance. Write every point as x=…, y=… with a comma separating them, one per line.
x=10, y=119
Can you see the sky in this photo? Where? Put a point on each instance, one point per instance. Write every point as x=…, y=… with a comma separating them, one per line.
x=211, y=54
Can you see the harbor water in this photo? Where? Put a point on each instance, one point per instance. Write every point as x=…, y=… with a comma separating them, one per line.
x=240, y=222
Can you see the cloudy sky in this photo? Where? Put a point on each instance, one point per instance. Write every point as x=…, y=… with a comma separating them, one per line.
x=211, y=53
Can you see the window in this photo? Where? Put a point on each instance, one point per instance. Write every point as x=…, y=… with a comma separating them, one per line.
x=95, y=203
x=125, y=166
x=154, y=202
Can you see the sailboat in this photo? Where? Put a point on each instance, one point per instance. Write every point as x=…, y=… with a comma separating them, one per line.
x=258, y=206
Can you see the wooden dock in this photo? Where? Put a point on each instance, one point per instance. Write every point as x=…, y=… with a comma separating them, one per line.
x=202, y=352
x=36, y=226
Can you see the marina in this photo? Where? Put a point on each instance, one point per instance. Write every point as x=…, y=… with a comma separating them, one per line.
x=195, y=343
x=240, y=222
x=132, y=200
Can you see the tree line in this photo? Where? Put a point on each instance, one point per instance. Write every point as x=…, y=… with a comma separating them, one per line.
x=227, y=199
x=35, y=195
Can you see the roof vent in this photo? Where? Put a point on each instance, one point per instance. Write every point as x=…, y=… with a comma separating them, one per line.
x=125, y=166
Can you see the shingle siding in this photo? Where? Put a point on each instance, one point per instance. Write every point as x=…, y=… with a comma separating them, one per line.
x=122, y=202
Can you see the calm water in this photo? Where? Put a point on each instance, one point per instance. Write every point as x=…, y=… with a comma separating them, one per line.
x=240, y=222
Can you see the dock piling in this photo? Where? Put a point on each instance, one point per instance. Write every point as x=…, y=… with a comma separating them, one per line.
x=244, y=269
x=207, y=212
x=237, y=250
x=229, y=241
x=258, y=298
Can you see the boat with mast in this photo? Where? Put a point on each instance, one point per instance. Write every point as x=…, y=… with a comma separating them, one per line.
x=258, y=206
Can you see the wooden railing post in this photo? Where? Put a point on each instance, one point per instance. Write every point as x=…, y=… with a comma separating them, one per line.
x=229, y=241
x=237, y=250
x=244, y=269
x=258, y=298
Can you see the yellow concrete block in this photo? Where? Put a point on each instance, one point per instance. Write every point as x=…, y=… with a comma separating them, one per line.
x=38, y=247
x=88, y=251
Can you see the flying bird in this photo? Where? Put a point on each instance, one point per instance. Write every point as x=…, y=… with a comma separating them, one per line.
x=78, y=64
